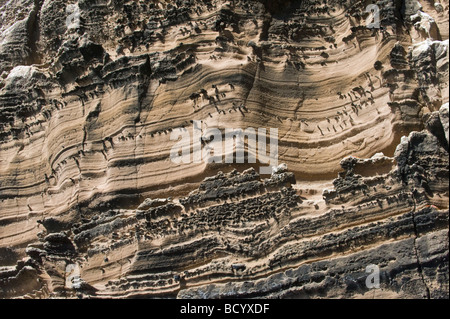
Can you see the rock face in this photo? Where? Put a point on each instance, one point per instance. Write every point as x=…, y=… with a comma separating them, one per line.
x=91, y=205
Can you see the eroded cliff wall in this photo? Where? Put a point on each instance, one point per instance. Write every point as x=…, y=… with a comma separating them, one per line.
x=91, y=204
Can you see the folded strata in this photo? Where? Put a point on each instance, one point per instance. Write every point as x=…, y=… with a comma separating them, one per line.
x=92, y=206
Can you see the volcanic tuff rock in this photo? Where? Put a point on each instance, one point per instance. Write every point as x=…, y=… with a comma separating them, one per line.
x=92, y=206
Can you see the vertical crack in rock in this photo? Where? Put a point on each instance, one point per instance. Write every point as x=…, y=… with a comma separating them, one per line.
x=416, y=233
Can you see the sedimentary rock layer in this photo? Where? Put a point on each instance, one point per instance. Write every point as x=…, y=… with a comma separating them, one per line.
x=91, y=203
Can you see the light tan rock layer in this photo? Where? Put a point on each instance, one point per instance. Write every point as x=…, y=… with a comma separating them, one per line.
x=87, y=126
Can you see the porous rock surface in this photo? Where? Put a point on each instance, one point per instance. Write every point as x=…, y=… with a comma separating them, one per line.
x=92, y=206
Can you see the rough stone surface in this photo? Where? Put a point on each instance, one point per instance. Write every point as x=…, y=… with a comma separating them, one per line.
x=443, y=115
x=91, y=204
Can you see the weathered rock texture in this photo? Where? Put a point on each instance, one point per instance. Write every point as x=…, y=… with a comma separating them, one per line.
x=92, y=206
